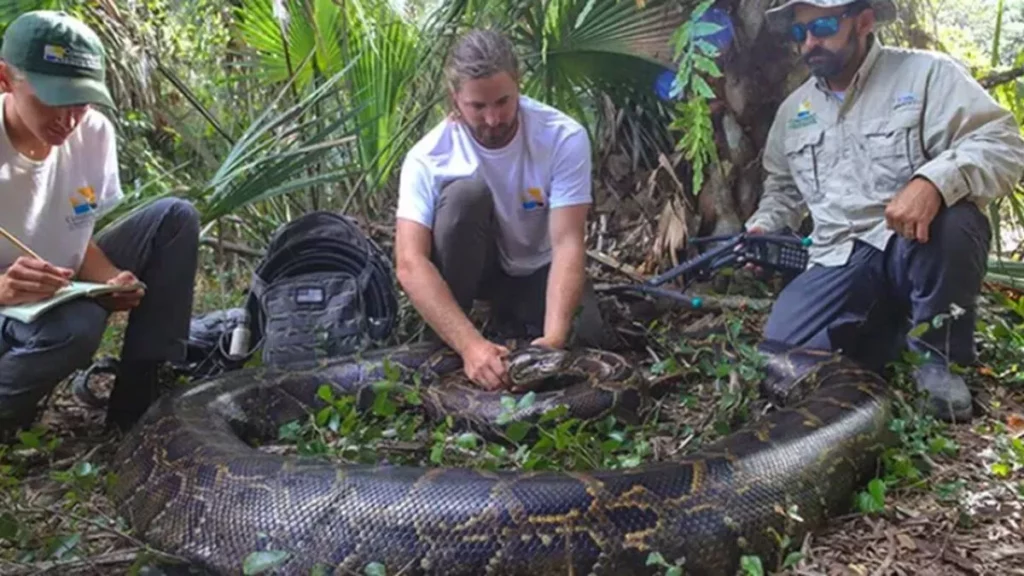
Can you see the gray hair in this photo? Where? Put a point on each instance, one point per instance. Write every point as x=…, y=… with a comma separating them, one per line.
x=479, y=54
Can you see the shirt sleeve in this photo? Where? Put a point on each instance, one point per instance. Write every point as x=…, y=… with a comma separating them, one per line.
x=415, y=193
x=782, y=205
x=571, y=172
x=109, y=193
x=974, y=143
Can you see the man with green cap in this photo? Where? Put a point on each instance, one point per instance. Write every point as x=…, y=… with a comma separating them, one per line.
x=58, y=175
x=895, y=154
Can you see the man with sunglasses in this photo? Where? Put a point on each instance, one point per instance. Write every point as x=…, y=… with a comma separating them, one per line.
x=895, y=154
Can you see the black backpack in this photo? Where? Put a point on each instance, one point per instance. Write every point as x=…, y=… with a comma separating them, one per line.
x=324, y=289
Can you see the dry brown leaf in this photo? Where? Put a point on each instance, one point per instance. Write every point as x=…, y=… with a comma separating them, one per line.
x=1015, y=421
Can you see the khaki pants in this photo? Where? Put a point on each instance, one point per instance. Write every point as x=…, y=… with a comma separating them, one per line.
x=465, y=253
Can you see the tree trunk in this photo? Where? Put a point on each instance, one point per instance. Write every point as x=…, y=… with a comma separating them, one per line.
x=759, y=70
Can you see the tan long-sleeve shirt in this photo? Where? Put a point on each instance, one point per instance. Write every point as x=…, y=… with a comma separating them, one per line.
x=906, y=113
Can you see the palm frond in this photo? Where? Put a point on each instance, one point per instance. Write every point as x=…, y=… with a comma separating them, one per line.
x=576, y=51
x=272, y=157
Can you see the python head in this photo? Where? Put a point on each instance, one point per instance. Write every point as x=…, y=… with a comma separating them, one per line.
x=530, y=365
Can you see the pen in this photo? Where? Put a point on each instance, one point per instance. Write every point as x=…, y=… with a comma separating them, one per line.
x=19, y=244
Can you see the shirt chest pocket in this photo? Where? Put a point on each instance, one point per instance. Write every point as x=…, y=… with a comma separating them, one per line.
x=893, y=151
x=809, y=159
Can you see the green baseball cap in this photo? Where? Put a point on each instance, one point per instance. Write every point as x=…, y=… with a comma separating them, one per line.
x=62, y=58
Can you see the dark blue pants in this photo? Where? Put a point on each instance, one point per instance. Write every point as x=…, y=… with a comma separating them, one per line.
x=866, y=307
x=159, y=244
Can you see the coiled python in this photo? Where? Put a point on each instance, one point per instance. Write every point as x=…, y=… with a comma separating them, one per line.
x=189, y=485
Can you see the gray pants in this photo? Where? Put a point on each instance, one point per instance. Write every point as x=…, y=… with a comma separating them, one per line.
x=465, y=253
x=866, y=307
x=159, y=245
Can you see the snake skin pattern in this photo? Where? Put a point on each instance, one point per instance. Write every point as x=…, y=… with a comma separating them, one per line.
x=188, y=484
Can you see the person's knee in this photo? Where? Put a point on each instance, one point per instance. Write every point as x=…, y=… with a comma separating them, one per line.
x=181, y=214
x=466, y=201
x=63, y=340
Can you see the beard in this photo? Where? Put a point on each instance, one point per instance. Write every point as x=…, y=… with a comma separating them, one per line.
x=494, y=136
x=827, y=64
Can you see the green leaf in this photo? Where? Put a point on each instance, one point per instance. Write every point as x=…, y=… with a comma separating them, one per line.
x=701, y=29
x=701, y=87
x=260, y=562
x=508, y=403
x=516, y=431
x=674, y=571
x=467, y=440
x=383, y=406
x=873, y=500
x=707, y=48
x=8, y=527
x=792, y=558
x=30, y=439
x=391, y=372
x=1001, y=469
x=63, y=544
x=752, y=566
x=325, y=393
x=706, y=65
x=919, y=330
x=375, y=569
x=655, y=558
x=527, y=400
x=877, y=489
x=437, y=452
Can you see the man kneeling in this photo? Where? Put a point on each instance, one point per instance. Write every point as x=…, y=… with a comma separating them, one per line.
x=493, y=205
x=58, y=174
x=895, y=154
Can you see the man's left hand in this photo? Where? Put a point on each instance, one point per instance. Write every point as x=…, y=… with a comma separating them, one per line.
x=911, y=212
x=122, y=300
x=548, y=342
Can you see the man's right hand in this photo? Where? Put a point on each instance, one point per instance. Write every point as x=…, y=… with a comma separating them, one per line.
x=484, y=364
x=757, y=270
x=31, y=280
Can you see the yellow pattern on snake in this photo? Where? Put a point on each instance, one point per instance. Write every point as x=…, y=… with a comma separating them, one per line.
x=188, y=484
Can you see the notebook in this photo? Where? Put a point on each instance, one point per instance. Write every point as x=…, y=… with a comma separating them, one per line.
x=28, y=313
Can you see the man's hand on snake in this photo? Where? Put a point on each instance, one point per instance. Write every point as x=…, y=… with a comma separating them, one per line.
x=911, y=212
x=484, y=364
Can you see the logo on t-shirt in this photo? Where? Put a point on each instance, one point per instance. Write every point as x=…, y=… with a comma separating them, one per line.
x=533, y=199
x=804, y=116
x=83, y=206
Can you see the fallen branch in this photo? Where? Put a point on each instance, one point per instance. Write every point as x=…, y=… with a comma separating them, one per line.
x=614, y=264
x=993, y=80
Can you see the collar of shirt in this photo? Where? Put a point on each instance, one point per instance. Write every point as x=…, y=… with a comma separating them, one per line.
x=863, y=71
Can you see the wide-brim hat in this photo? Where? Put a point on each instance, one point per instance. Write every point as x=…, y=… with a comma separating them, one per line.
x=780, y=17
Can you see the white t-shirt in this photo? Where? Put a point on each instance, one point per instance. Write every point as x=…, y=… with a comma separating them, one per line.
x=52, y=205
x=546, y=165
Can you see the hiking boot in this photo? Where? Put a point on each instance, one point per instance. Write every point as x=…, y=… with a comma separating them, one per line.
x=136, y=387
x=948, y=398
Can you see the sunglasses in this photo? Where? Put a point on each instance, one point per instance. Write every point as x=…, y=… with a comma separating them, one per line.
x=820, y=27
